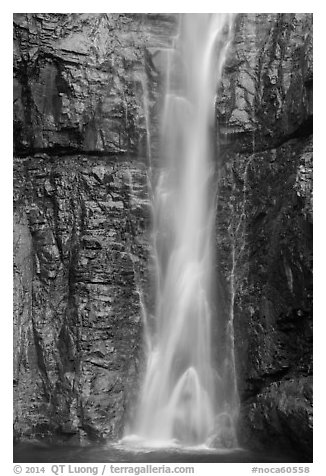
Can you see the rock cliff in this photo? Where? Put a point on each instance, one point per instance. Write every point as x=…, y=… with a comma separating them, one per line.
x=264, y=225
x=81, y=244
x=84, y=82
x=266, y=95
x=87, y=96
x=83, y=85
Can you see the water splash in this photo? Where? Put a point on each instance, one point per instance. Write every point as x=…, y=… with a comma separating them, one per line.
x=180, y=401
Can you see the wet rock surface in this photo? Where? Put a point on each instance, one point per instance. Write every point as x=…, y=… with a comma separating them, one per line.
x=265, y=240
x=81, y=248
x=83, y=81
x=264, y=231
x=266, y=95
x=87, y=97
x=83, y=84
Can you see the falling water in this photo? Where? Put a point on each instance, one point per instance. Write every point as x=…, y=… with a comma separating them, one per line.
x=179, y=401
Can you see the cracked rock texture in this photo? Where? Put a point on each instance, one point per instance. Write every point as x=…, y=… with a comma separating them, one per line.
x=81, y=81
x=87, y=99
x=83, y=85
x=266, y=93
x=81, y=244
x=264, y=225
x=265, y=240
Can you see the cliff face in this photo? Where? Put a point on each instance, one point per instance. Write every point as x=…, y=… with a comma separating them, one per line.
x=264, y=232
x=266, y=95
x=83, y=85
x=265, y=241
x=81, y=246
x=87, y=94
x=83, y=82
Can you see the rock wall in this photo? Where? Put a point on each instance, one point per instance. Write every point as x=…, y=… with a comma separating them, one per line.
x=87, y=96
x=266, y=95
x=83, y=86
x=264, y=226
x=83, y=82
x=81, y=250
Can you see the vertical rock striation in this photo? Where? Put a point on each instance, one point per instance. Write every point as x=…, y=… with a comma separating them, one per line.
x=264, y=232
x=80, y=80
x=266, y=96
x=87, y=99
x=83, y=84
x=81, y=242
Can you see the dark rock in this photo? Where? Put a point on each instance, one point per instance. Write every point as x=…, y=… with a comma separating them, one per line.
x=87, y=101
x=265, y=239
x=280, y=417
x=266, y=93
x=80, y=256
x=80, y=80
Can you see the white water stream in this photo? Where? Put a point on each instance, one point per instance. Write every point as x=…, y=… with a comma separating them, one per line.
x=179, y=401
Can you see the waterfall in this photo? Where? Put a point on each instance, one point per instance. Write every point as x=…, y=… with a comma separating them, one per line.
x=182, y=394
